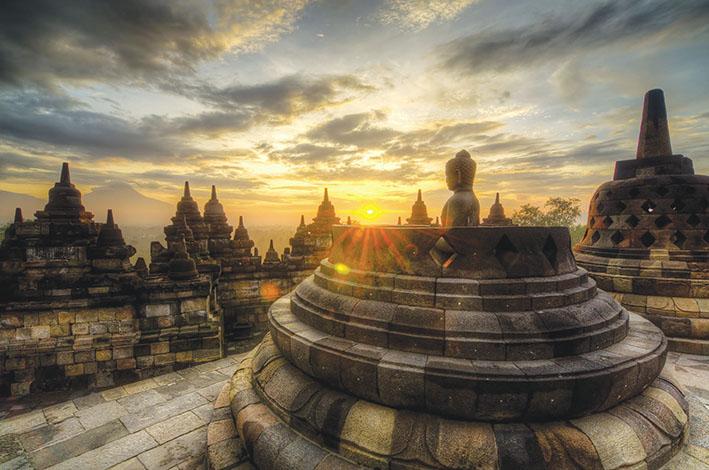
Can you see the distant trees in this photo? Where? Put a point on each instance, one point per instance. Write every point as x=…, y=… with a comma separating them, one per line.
x=559, y=211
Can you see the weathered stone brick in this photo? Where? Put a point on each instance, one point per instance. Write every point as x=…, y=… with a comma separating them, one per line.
x=84, y=356
x=90, y=368
x=87, y=316
x=40, y=332
x=11, y=321
x=72, y=370
x=194, y=305
x=106, y=314
x=15, y=363
x=31, y=319
x=80, y=329
x=160, y=348
x=158, y=310
x=125, y=313
x=104, y=355
x=65, y=317
x=162, y=359
x=23, y=334
x=166, y=322
x=59, y=330
x=65, y=357
x=47, y=318
x=98, y=329
x=127, y=363
x=144, y=361
x=122, y=353
x=184, y=356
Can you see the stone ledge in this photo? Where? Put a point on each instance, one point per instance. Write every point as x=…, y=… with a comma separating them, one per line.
x=277, y=405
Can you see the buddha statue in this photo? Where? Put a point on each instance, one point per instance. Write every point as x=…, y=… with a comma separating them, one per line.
x=462, y=208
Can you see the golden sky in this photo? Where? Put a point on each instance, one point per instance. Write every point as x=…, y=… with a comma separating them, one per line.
x=274, y=100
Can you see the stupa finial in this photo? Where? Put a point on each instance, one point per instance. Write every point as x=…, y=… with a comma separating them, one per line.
x=398, y=222
x=187, y=193
x=65, y=177
x=214, y=193
x=109, y=218
x=18, y=215
x=419, y=199
x=302, y=220
x=349, y=220
x=241, y=221
x=325, y=197
x=654, y=139
x=497, y=198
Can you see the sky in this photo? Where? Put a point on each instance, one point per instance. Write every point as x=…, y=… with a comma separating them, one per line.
x=274, y=100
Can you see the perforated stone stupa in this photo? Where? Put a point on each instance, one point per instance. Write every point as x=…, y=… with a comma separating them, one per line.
x=500, y=354
x=647, y=239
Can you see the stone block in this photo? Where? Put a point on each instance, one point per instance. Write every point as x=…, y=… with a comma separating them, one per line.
x=106, y=314
x=125, y=363
x=15, y=363
x=23, y=334
x=104, y=355
x=30, y=320
x=65, y=318
x=11, y=321
x=84, y=356
x=86, y=316
x=65, y=357
x=160, y=348
x=163, y=359
x=80, y=329
x=124, y=313
x=40, y=332
x=57, y=331
x=158, y=310
x=72, y=370
x=122, y=353
x=194, y=305
x=90, y=368
x=183, y=356
x=98, y=329
x=47, y=319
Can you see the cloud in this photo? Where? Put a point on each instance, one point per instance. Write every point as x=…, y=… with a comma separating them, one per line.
x=558, y=37
x=284, y=98
x=359, y=129
x=419, y=14
x=46, y=42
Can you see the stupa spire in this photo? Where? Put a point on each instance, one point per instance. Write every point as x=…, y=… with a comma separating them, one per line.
x=214, y=193
x=65, y=177
x=18, y=215
x=349, y=220
x=187, y=194
x=302, y=220
x=241, y=221
x=109, y=218
x=654, y=139
x=418, y=198
x=325, y=197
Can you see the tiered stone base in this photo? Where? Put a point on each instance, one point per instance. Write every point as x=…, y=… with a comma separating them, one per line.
x=288, y=420
x=674, y=295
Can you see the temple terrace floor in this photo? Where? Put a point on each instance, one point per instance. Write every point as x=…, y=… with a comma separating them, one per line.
x=162, y=422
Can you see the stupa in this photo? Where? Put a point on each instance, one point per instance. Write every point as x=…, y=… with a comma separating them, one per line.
x=219, y=243
x=647, y=239
x=504, y=355
x=497, y=214
x=419, y=213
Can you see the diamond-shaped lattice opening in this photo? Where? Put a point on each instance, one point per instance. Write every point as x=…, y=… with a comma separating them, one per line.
x=620, y=206
x=505, y=251
x=662, y=191
x=693, y=220
x=647, y=239
x=596, y=236
x=634, y=192
x=549, y=250
x=678, y=238
x=591, y=221
x=600, y=207
x=633, y=221
x=607, y=221
x=662, y=221
x=617, y=237
x=677, y=205
x=649, y=206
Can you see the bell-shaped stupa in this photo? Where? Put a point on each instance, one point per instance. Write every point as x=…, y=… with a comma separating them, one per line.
x=503, y=355
x=419, y=213
x=647, y=238
x=497, y=214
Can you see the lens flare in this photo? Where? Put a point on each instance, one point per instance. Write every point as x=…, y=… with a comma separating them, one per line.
x=369, y=212
x=342, y=268
x=270, y=291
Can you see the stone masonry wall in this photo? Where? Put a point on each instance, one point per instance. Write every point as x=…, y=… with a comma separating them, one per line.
x=74, y=344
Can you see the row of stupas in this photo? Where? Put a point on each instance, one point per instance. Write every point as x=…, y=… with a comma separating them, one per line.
x=76, y=312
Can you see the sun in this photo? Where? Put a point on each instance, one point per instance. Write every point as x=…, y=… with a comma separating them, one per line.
x=369, y=213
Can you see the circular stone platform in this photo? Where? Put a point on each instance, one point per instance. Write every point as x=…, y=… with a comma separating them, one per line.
x=470, y=347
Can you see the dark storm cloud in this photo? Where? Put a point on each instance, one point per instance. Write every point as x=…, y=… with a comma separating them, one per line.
x=558, y=37
x=45, y=41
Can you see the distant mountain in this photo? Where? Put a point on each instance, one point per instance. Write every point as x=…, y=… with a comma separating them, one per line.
x=129, y=206
x=9, y=201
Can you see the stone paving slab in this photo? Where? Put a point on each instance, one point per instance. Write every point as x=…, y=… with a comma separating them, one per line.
x=163, y=422
x=159, y=422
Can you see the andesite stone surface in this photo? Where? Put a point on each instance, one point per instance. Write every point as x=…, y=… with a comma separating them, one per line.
x=647, y=239
x=455, y=347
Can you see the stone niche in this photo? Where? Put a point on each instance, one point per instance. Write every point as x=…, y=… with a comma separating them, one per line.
x=466, y=347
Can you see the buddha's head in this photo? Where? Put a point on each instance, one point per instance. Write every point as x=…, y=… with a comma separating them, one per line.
x=460, y=172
